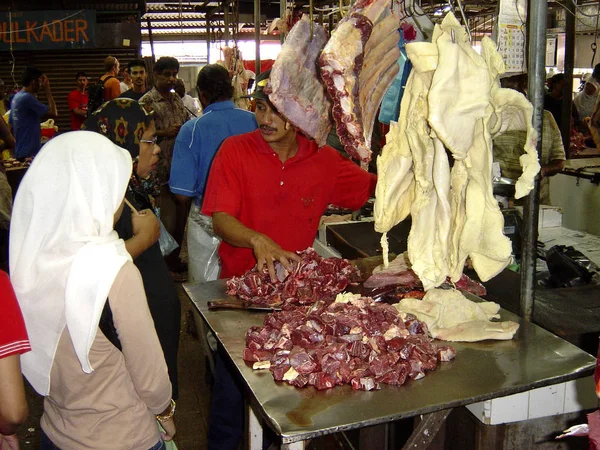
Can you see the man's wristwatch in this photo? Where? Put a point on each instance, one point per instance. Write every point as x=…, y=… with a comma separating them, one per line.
x=166, y=417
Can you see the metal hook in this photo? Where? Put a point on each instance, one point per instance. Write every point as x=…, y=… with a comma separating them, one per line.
x=464, y=17
x=310, y=16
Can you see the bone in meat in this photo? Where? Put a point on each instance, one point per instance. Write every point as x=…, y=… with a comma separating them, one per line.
x=371, y=94
x=340, y=61
x=294, y=86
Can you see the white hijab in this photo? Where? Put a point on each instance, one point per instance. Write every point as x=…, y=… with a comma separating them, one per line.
x=64, y=253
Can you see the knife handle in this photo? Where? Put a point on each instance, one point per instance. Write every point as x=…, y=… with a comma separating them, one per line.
x=225, y=304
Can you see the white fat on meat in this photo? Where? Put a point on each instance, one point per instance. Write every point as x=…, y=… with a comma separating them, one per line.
x=454, y=213
x=450, y=316
x=422, y=247
x=394, y=192
x=482, y=237
x=512, y=112
x=459, y=179
x=443, y=213
x=398, y=265
x=460, y=91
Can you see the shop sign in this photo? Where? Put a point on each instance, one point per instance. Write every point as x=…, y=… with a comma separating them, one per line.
x=47, y=30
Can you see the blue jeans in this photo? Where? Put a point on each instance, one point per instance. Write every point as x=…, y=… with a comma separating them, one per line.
x=47, y=444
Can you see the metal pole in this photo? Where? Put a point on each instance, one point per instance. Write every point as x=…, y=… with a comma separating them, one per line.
x=282, y=11
x=537, y=13
x=257, y=35
x=207, y=39
x=567, y=100
x=151, y=40
x=226, y=12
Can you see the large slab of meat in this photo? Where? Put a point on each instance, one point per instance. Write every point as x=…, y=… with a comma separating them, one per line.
x=452, y=108
x=295, y=87
x=350, y=341
x=358, y=64
x=313, y=278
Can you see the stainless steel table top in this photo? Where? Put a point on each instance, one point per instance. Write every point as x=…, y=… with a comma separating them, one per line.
x=481, y=371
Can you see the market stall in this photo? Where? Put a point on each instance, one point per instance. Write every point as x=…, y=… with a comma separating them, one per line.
x=481, y=371
x=326, y=364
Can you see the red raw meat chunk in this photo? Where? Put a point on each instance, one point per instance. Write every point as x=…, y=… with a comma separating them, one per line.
x=316, y=341
x=310, y=280
x=279, y=371
x=306, y=337
x=321, y=380
x=301, y=361
x=364, y=384
x=256, y=355
x=445, y=353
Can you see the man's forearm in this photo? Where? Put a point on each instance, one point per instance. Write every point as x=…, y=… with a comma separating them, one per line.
x=13, y=406
x=52, y=111
x=233, y=231
x=80, y=112
x=553, y=167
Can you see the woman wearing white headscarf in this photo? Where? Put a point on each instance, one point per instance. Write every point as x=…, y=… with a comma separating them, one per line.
x=66, y=261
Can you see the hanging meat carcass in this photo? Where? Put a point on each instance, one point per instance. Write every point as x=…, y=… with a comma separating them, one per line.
x=358, y=64
x=294, y=86
x=454, y=214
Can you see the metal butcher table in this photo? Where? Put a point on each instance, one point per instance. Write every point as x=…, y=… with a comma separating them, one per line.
x=481, y=371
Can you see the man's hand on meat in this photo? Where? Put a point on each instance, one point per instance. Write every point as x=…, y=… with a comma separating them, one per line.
x=268, y=189
x=268, y=251
x=265, y=249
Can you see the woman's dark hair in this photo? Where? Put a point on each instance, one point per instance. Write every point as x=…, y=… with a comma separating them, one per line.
x=214, y=82
x=166, y=63
x=29, y=75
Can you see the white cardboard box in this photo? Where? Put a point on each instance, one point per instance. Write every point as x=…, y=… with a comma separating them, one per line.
x=562, y=398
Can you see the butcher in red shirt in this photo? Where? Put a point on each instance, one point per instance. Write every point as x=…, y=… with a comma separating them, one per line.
x=266, y=193
x=268, y=189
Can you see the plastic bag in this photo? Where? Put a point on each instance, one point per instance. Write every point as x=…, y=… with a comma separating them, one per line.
x=203, y=260
x=166, y=241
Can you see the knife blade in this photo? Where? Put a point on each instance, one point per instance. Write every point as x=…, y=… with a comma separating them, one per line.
x=239, y=304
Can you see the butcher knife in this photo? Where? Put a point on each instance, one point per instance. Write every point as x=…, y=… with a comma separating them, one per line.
x=239, y=304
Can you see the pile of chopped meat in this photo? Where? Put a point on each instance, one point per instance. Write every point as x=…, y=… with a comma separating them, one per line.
x=313, y=278
x=350, y=341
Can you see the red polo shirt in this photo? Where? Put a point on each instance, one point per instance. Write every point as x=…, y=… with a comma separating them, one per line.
x=78, y=100
x=13, y=335
x=284, y=201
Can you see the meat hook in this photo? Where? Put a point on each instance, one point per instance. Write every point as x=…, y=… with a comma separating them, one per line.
x=464, y=17
x=310, y=16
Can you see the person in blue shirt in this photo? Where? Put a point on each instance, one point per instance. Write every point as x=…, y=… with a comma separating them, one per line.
x=199, y=139
x=27, y=112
